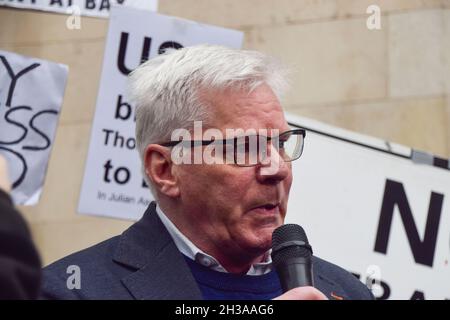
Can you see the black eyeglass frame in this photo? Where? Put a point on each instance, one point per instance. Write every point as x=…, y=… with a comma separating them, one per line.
x=195, y=143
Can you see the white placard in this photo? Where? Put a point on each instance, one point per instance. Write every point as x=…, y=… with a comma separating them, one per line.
x=370, y=209
x=92, y=8
x=113, y=183
x=31, y=95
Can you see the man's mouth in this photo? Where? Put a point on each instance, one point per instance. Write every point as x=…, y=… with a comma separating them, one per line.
x=268, y=209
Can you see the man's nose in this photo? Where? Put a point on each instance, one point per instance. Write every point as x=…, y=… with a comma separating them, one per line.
x=274, y=168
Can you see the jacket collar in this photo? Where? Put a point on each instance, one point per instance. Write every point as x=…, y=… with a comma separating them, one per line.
x=161, y=271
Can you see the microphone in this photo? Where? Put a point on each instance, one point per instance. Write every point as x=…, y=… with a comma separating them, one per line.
x=291, y=257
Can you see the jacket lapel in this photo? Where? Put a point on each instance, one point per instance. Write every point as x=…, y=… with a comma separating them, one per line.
x=328, y=287
x=161, y=271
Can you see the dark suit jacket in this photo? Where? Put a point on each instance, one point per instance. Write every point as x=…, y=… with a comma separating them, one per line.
x=144, y=263
x=20, y=266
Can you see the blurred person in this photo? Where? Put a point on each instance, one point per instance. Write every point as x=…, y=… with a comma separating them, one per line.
x=20, y=267
x=208, y=233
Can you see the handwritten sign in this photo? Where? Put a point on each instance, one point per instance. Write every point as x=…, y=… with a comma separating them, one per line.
x=31, y=94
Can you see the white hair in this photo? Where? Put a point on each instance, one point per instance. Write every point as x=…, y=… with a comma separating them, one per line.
x=165, y=89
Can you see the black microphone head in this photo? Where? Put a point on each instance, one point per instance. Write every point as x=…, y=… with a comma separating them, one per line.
x=289, y=241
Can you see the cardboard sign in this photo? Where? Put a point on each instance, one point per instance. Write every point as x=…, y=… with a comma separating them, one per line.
x=31, y=95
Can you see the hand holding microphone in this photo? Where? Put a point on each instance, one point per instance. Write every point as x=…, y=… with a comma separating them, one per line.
x=292, y=259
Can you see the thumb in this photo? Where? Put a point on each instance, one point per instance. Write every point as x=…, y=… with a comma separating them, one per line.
x=4, y=180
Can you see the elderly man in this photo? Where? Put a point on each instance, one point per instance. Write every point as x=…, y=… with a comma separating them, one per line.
x=219, y=192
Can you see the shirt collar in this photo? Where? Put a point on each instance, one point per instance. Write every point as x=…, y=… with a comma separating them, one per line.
x=186, y=247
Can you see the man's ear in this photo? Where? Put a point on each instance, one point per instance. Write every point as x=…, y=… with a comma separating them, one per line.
x=159, y=169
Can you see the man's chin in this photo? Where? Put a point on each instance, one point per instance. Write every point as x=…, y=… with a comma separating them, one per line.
x=269, y=226
x=261, y=243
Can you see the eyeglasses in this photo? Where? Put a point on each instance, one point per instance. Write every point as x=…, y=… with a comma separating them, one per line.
x=249, y=150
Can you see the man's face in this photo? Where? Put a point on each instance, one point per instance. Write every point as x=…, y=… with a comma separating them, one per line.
x=237, y=208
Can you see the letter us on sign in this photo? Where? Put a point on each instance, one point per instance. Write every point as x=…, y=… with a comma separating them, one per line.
x=31, y=95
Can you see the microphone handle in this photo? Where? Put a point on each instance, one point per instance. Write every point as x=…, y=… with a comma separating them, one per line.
x=295, y=272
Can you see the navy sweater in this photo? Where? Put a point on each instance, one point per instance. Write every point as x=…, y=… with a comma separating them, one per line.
x=216, y=285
